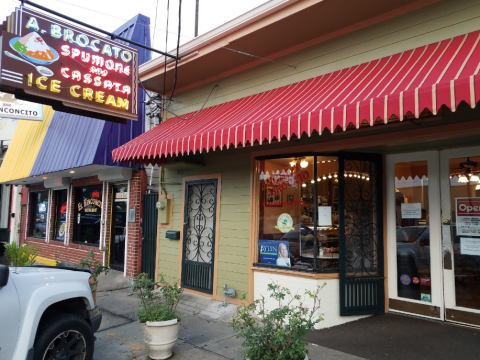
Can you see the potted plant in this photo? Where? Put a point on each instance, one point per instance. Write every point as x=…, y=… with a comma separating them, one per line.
x=158, y=314
x=277, y=334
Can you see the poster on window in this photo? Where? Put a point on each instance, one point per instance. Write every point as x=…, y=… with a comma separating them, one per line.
x=468, y=216
x=42, y=207
x=61, y=231
x=274, y=252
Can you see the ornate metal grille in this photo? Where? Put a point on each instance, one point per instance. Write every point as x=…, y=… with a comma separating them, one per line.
x=361, y=259
x=199, y=235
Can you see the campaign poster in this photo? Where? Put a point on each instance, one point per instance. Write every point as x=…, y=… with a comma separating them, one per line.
x=468, y=216
x=274, y=252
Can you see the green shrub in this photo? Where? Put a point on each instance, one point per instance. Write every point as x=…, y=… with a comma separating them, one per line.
x=24, y=255
x=277, y=334
x=96, y=267
x=160, y=305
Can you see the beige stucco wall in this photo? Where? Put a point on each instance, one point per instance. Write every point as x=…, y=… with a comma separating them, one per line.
x=437, y=22
x=234, y=223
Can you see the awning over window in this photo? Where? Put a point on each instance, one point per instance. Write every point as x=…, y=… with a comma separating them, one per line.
x=379, y=91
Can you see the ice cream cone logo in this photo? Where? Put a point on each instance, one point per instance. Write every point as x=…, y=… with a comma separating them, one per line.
x=284, y=223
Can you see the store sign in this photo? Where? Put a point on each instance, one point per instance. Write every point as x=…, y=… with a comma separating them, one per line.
x=67, y=66
x=468, y=216
x=12, y=108
x=90, y=205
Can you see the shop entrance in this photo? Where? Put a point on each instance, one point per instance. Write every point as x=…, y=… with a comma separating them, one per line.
x=119, y=227
x=433, y=201
x=199, y=235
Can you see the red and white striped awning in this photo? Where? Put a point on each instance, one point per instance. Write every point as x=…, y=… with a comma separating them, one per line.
x=443, y=73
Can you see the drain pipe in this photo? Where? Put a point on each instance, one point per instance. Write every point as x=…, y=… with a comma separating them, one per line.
x=229, y=292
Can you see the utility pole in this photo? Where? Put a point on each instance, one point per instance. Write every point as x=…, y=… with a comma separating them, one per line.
x=196, y=18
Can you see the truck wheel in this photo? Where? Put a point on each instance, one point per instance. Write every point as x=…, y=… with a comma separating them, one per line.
x=66, y=337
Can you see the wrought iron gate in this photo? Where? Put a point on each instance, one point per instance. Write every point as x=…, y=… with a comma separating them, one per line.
x=149, y=234
x=362, y=288
x=199, y=235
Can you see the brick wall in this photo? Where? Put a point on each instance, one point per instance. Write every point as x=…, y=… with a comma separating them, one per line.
x=73, y=253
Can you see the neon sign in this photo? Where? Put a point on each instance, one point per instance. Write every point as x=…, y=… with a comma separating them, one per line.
x=76, y=70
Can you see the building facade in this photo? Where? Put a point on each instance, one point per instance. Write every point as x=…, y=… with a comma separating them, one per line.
x=351, y=159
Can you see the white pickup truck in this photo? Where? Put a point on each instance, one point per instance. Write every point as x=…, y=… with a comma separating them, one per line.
x=46, y=313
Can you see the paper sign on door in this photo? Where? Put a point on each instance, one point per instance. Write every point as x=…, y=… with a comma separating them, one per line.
x=468, y=216
x=412, y=211
x=469, y=246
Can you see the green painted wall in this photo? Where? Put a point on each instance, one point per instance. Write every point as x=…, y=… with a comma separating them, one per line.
x=234, y=218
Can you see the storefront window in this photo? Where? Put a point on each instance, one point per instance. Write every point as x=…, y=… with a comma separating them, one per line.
x=413, y=233
x=88, y=214
x=60, y=214
x=39, y=215
x=298, y=213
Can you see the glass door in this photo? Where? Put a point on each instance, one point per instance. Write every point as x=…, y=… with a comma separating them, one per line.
x=414, y=238
x=460, y=189
x=118, y=227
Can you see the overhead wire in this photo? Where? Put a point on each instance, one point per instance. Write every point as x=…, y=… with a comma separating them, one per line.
x=155, y=26
x=184, y=36
x=178, y=48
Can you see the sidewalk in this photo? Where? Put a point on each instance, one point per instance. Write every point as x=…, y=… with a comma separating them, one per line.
x=204, y=331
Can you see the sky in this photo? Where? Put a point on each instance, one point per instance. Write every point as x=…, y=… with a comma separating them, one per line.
x=111, y=14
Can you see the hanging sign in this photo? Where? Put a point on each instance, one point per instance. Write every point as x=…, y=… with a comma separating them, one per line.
x=12, y=108
x=468, y=216
x=68, y=67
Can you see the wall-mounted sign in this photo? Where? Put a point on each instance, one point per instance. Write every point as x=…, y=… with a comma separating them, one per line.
x=68, y=67
x=121, y=195
x=90, y=205
x=12, y=108
x=468, y=216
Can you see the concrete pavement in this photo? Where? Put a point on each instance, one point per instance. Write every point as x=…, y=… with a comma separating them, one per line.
x=204, y=331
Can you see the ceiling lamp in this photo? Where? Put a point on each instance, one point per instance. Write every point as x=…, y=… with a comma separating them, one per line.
x=304, y=185
x=303, y=164
x=313, y=181
x=329, y=176
x=324, y=177
x=293, y=163
x=335, y=175
x=474, y=178
x=462, y=179
x=350, y=175
x=368, y=178
x=477, y=187
x=319, y=179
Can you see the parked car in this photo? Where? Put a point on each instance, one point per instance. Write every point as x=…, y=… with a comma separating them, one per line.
x=46, y=313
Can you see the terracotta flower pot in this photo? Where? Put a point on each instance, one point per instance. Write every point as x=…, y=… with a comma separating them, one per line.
x=160, y=337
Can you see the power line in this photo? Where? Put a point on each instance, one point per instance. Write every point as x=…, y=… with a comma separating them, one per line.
x=155, y=27
x=184, y=36
x=178, y=47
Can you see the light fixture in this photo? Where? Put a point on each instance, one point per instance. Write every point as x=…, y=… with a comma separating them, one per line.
x=303, y=164
x=462, y=179
x=346, y=174
x=329, y=176
x=477, y=187
x=474, y=178
x=368, y=178
x=304, y=185
x=350, y=175
x=335, y=175
x=319, y=179
x=293, y=163
x=72, y=172
x=323, y=161
x=324, y=177
x=313, y=181
x=44, y=177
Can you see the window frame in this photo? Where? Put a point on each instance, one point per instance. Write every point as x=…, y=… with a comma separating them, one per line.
x=34, y=213
x=315, y=269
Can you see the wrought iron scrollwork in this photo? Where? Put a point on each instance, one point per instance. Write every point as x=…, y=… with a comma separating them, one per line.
x=361, y=228
x=199, y=240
